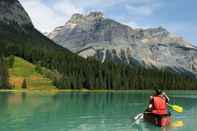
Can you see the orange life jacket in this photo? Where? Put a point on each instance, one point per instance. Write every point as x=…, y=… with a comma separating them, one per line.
x=159, y=105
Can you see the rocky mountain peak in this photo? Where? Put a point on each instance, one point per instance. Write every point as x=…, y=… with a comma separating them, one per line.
x=76, y=18
x=155, y=32
x=79, y=18
x=12, y=11
x=95, y=15
x=105, y=39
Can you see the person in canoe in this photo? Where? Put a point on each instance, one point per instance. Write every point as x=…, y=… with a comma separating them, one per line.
x=158, y=103
x=157, y=112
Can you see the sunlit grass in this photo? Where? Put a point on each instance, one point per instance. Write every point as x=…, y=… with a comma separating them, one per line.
x=25, y=70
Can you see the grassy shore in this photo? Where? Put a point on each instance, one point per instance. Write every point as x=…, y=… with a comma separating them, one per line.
x=36, y=82
x=68, y=90
x=189, y=92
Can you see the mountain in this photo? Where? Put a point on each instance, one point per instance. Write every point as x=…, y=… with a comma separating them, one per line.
x=19, y=38
x=105, y=39
x=12, y=11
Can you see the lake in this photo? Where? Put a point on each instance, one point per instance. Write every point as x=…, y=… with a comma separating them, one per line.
x=89, y=111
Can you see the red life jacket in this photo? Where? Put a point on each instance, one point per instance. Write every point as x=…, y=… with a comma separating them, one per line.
x=159, y=105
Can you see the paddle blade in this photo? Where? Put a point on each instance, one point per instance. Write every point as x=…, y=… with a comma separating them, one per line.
x=177, y=108
x=138, y=118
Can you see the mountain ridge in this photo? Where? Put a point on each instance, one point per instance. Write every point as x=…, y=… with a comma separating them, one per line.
x=106, y=39
x=10, y=7
x=73, y=71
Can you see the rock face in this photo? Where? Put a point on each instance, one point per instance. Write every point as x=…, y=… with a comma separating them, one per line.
x=12, y=11
x=103, y=38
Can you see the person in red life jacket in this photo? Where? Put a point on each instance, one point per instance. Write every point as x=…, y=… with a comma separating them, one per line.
x=158, y=108
x=158, y=103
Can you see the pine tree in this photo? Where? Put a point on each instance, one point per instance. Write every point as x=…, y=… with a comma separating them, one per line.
x=24, y=84
x=4, y=75
x=11, y=60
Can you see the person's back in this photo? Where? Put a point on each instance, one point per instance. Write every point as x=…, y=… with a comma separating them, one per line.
x=158, y=103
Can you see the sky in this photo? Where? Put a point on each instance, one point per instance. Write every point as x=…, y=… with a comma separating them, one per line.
x=177, y=16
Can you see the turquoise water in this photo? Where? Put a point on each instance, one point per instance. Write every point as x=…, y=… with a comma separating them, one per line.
x=88, y=112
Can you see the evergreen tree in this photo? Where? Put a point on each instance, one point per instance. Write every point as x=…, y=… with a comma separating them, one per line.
x=24, y=84
x=4, y=76
x=10, y=61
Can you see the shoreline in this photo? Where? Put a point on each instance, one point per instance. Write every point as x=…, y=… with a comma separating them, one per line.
x=96, y=91
x=54, y=90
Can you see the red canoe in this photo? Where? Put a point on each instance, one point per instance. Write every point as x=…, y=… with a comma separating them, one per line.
x=158, y=120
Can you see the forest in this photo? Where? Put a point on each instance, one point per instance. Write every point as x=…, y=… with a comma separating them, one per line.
x=4, y=76
x=74, y=72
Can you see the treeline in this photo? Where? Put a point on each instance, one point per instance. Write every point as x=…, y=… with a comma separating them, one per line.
x=74, y=72
x=111, y=76
x=4, y=75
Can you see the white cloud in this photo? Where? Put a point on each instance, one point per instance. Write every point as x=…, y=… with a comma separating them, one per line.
x=142, y=7
x=66, y=8
x=142, y=10
x=45, y=18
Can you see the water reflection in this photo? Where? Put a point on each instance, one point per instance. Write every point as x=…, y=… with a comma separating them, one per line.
x=143, y=126
x=86, y=112
x=177, y=124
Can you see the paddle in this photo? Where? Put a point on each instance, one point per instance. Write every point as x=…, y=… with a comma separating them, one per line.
x=176, y=108
x=137, y=118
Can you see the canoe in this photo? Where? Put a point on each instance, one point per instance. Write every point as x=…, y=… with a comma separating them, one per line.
x=161, y=121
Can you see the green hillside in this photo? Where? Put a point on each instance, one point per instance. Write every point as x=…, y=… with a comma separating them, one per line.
x=25, y=70
x=68, y=70
x=78, y=73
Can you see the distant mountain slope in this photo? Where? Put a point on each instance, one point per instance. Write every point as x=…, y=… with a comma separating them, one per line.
x=74, y=72
x=103, y=38
x=12, y=11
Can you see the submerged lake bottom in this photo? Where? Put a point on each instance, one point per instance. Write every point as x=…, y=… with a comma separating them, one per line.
x=85, y=111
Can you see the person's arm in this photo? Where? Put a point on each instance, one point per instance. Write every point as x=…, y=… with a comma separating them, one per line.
x=167, y=98
x=150, y=103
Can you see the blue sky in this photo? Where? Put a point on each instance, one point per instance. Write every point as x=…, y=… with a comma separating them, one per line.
x=177, y=16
